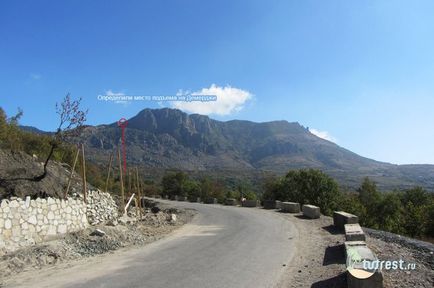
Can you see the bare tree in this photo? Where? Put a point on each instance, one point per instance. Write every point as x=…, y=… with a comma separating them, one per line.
x=70, y=123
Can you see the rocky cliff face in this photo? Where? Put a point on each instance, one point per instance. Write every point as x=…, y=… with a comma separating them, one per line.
x=170, y=138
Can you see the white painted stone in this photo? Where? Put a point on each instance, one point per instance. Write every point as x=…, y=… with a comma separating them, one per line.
x=32, y=220
x=14, y=204
x=50, y=201
x=50, y=215
x=24, y=226
x=2, y=223
x=68, y=210
x=51, y=230
x=8, y=224
x=53, y=207
x=16, y=231
x=62, y=229
x=4, y=204
x=27, y=202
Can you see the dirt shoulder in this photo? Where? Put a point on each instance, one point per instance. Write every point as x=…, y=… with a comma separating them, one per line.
x=79, y=246
x=320, y=260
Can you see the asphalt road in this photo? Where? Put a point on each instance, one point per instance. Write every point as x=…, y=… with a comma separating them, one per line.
x=222, y=247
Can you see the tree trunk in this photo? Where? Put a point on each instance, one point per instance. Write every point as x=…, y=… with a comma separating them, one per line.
x=42, y=176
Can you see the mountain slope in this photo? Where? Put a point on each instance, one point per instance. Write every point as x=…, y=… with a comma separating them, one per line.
x=171, y=139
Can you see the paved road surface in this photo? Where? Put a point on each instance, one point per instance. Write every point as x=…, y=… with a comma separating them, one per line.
x=222, y=247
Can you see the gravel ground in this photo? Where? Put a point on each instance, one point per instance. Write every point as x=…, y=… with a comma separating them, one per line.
x=79, y=245
x=392, y=247
x=320, y=260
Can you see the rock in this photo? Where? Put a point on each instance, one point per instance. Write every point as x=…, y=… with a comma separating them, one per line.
x=97, y=232
x=112, y=222
x=155, y=209
x=28, y=201
x=125, y=219
x=172, y=218
x=8, y=224
x=32, y=220
x=62, y=229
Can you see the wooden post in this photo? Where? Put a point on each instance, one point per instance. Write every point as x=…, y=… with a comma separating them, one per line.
x=130, y=182
x=84, y=174
x=139, y=195
x=72, y=173
x=122, y=180
x=108, y=173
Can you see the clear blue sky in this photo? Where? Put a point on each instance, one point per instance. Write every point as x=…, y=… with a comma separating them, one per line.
x=361, y=71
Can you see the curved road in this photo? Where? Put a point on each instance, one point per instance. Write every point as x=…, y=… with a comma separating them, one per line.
x=222, y=247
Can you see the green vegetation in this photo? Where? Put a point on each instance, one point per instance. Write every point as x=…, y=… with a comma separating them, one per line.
x=15, y=139
x=305, y=186
x=409, y=212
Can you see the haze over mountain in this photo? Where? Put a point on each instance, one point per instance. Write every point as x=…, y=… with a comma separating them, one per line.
x=159, y=139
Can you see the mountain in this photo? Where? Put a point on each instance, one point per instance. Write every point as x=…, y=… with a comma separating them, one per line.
x=159, y=139
x=33, y=130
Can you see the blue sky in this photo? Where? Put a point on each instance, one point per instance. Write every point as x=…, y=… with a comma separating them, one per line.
x=359, y=72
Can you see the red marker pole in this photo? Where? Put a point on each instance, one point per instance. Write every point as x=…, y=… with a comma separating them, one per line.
x=123, y=124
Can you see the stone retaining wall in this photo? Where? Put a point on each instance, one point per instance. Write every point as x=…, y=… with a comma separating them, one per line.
x=24, y=223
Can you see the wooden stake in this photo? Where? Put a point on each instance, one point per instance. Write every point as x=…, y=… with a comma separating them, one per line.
x=108, y=173
x=130, y=182
x=139, y=195
x=122, y=180
x=139, y=188
x=72, y=173
x=84, y=174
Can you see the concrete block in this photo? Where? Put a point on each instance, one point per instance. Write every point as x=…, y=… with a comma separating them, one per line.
x=194, y=199
x=269, y=204
x=278, y=204
x=290, y=207
x=353, y=232
x=356, y=252
x=210, y=200
x=231, y=202
x=249, y=203
x=341, y=218
x=310, y=211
